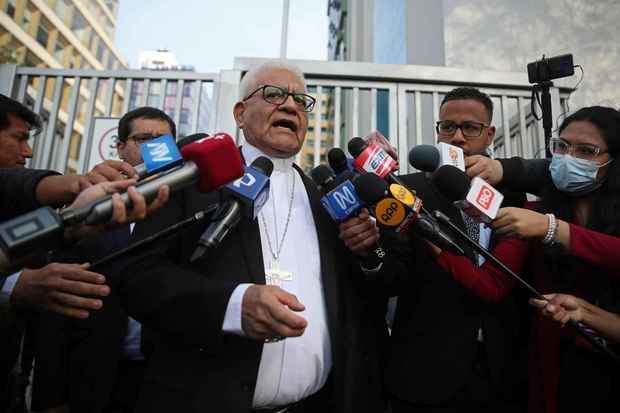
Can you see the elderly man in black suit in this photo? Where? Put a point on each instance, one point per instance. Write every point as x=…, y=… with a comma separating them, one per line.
x=305, y=341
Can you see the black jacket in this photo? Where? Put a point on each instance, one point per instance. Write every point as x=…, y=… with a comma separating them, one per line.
x=434, y=336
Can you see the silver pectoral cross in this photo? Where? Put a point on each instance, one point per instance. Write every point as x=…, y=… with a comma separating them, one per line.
x=275, y=275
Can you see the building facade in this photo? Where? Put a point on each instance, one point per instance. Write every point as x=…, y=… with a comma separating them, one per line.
x=72, y=34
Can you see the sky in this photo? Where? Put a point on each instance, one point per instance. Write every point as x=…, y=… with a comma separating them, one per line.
x=209, y=34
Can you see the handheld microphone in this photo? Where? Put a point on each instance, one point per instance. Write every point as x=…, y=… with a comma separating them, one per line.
x=210, y=163
x=341, y=202
x=243, y=197
x=338, y=161
x=479, y=200
x=425, y=158
x=372, y=158
x=398, y=208
x=339, y=199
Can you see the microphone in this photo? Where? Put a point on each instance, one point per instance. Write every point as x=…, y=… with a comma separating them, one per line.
x=372, y=158
x=211, y=162
x=339, y=199
x=479, y=200
x=427, y=158
x=243, y=197
x=341, y=202
x=396, y=207
x=338, y=161
x=424, y=158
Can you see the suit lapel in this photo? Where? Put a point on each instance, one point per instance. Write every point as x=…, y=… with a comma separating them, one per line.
x=329, y=274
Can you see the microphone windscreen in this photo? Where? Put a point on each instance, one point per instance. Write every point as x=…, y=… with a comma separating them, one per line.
x=424, y=158
x=218, y=159
x=263, y=164
x=356, y=146
x=337, y=160
x=322, y=174
x=370, y=188
x=451, y=182
x=186, y=140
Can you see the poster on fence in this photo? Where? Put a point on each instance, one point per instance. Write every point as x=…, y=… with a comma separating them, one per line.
x=104, y=139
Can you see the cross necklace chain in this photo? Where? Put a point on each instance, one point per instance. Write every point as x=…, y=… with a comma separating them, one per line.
x=275, y=275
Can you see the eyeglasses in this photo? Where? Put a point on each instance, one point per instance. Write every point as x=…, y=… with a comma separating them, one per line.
x=469, y=129
x=140, y=138
x=277, y=96
x=581, y=150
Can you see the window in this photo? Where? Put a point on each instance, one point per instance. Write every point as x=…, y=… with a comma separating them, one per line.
x=43, y=34
x=63, y=9
x=10, y=8
x=100, y=50
x=59, y=49
x=26, y=19
x=310, y=142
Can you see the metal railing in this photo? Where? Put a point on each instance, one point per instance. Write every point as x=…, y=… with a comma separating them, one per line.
x=354, y=98
x=68, y=100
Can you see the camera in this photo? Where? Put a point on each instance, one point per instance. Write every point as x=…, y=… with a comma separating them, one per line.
x=544, y=70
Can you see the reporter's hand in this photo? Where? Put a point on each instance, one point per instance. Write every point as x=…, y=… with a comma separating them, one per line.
x=486, y=168
x=520, y=222
x=111, y=170
x=67, y=289
x=120, y=216
x=359, y=233
x=267, y=312
x=560, y=307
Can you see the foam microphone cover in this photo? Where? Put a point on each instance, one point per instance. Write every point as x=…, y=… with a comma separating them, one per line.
x=263, y=165
x=321, y=175
x=337, y=160
x=424, y=158
x=186, y=140
x=218, y=159
x=356, y=146
x=451, y=182
x=370, y=188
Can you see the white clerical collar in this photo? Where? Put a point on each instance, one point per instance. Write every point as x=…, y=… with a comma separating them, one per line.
x=250, y=153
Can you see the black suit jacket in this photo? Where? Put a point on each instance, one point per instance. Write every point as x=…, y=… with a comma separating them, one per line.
x=77, y=360
x=434, y=336
x=197, y=368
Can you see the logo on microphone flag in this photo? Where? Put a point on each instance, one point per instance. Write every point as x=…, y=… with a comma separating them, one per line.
x=375, y=160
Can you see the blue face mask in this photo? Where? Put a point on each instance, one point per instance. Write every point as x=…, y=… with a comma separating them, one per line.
x=573, y=175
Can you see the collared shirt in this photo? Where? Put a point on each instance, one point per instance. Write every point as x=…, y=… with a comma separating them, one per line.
x=294, y=368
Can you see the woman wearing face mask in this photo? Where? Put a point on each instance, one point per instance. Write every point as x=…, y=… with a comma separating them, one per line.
x=574, y=247
x=574, y=236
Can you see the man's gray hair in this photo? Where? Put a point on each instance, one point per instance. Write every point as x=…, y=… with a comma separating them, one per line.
x=249, y=83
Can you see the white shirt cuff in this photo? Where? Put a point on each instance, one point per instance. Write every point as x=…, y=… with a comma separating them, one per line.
x=7, y=288
x=232, y=318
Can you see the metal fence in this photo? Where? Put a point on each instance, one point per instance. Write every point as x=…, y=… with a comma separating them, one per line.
x=402, y=101
x=68, y=100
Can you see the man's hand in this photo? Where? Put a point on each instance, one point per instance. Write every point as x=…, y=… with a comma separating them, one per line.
x=359, y=233
x=67, y=289
x=120, y=215
x=486, y=168
x=111, y=170
x=267, y=312
x=58, y=190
